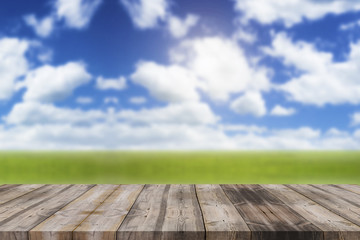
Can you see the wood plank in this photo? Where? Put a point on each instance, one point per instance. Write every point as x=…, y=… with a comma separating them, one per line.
x=222, y=220
x=330, y=201
x=10, y=192
x=267, y=216
x=61, y=225
x=7, y=186
x=22, y=214
x=348, y=196
x=106, y=220
x=164, y=212
x=350, y=187
x=333, y=226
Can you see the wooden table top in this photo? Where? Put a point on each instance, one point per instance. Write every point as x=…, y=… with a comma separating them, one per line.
x=144, y=212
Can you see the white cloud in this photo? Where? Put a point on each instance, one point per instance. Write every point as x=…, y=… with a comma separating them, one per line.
x=355, y=119
x=179, y=28
x=137, y=100
x=106, y=84
x=13, y=64
x=250, y=103
x=43, y=27
x=76, y=13
x=279, y=110
x=243, y=128
x=29, y=113
x=146, y=14
x=322, y=81
x=113, y=100
x=84, y=100
x=350, y=25
x=221, y=67
x=183, y=113
x=49, y=83
x=292, y=12
x=244, y=36
x=166, y=83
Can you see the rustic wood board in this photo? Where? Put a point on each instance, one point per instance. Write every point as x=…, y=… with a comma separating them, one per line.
x=222, y=220
x=33, y=208
x=330, y=201
x=10, y=192
x=62, y=224
x=333, y=226
x=106, y=220
x=179, y=212
x=267, y=216
x=164, y=212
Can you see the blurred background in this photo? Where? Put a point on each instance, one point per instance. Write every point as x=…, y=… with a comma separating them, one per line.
x=179, y=91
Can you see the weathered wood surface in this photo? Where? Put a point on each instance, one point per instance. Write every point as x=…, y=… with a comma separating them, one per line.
x=164, y=212
x=151, y=212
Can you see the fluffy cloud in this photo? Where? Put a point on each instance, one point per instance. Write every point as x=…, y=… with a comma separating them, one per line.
x=350, y=25
x=322, y=81
x=221, y=67
x=146, y=14
x=13, y=64
x=42, y=28
x=292, y=12
x=48, y=83
x=166, y=83
x=76, y=13
x=34, y=113
x=137, y=100
x=355, y=118
x=179, y=28
x=183, y=113
x=250, y=103
x=279, y=110
x=106, y=84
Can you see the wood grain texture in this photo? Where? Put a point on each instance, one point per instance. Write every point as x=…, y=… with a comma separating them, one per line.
x=330, y=201
x=222, y=220
x=267, y=216
x=26, y=212
x=103, y=223
x=10, y=192
x=194, y=212
x=61, y=225
x=333, y=226
x=164, y=212
x=350, y=187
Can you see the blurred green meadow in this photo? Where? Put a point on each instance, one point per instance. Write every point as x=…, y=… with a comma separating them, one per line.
x=180, y=167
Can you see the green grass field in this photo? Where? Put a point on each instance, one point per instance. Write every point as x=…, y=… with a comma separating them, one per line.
x=180, y=167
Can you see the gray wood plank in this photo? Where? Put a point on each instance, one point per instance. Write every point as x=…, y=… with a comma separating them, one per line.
x=267, y=216
x=350, y=187
x=22, y=214
x=330, y=201
x=222, y=220
x=106, y=220
x=164, y=212
x=348, y=196
x=10, y=192
x=61, y=225
x=333, y=226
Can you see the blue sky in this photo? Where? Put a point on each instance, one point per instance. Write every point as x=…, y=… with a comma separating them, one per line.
x=166, y=74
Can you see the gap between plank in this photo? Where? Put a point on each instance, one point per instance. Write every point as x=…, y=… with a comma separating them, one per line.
x=64, y=205
x=95, y=209
x=288, y=186
x=201, y=212
x=24, y=194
